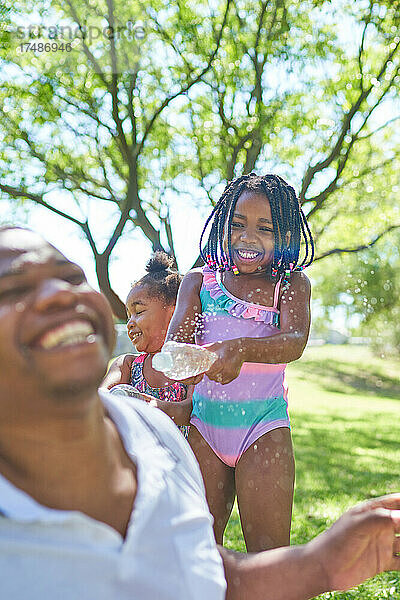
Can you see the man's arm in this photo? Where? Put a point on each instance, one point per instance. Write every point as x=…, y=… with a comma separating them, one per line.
x=362, y=543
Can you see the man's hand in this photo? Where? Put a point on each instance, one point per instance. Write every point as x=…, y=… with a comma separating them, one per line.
x=362, y=543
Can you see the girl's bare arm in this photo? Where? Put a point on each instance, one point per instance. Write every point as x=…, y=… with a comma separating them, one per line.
x=119, y=371
x=188, y=308
x=289, y=343
x=179, y=412
x=285, y=346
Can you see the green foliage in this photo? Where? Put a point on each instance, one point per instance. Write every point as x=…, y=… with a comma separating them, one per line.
x=343, y=403
x=148, y=98
x=367, y=286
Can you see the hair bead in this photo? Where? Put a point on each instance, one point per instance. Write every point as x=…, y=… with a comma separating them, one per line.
x=235, y=270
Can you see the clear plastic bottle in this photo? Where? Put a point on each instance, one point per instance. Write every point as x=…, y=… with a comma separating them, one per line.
x=124, y=389
x=180, y=361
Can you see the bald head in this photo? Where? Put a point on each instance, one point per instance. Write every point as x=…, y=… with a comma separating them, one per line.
x=55, y=330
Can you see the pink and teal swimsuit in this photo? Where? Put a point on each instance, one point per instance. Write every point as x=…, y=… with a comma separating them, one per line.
x=232, y=417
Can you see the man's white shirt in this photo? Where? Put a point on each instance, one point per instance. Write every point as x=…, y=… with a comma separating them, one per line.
x=169, y=552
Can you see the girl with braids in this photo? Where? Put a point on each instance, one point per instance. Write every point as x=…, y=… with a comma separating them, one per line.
x=149, y=306
x=251, y=306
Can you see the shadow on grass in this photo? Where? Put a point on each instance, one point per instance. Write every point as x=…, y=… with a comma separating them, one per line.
x=340, y=377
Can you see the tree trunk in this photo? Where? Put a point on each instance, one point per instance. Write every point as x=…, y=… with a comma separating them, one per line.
x=117, y=306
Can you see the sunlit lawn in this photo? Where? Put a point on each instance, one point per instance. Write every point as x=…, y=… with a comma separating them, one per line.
x=345, y=410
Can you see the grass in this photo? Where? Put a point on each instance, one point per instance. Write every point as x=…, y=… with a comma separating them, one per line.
x=345, y=407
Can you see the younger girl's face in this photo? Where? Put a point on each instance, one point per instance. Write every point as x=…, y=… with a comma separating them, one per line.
x=148, y=319
x=252, y=234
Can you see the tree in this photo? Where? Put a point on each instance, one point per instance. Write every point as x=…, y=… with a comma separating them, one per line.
x=162, y=96
x=367, y=285
x=103, y=131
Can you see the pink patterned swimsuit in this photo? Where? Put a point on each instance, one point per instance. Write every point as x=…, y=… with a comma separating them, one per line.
x=175, y=392
x=232, y=417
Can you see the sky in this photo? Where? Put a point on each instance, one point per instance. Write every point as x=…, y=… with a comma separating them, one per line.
x=131, y=253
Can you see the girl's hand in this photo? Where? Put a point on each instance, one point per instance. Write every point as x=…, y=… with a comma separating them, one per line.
x=192, y=380
x=147, y=398
x=229, y=362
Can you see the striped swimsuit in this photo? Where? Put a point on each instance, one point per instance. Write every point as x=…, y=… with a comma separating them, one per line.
x=174, y=392
x=232, y=417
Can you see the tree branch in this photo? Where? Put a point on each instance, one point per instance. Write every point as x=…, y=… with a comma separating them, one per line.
x=168, y=230
x=165, y=35
x=236, y=150
x=86, y=112
x=198, y=154
x=361, y=49
x=86, y=50
x=186, y=87
x=371, y=133
x=346, y=123
x=131, y=111
x=113, y=89
x=38, y=199
x=357, y=248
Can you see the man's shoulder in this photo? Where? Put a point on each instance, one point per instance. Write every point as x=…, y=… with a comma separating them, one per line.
x=144, y=422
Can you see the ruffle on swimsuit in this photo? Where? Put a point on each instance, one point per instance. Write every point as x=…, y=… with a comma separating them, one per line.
x=235, y=306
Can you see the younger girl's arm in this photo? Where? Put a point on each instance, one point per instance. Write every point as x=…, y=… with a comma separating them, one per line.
x=179, y=412
x=284, y=346
x=119, y=371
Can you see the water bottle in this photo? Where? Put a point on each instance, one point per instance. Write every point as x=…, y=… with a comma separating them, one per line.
x=124, y=389
x=180, y=361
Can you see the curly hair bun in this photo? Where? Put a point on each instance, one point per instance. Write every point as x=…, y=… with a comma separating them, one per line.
x=162, y=277
x=160, y=261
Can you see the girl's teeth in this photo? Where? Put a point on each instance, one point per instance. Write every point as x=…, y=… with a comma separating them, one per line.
x=248, y=255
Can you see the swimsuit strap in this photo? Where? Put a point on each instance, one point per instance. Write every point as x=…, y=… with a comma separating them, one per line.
x=140, y=358
x=276, y=292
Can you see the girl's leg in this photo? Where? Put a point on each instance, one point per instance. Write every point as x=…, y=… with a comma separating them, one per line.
x=219, y=481
x=264, y=487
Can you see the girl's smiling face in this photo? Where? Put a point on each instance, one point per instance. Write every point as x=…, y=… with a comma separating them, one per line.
x=252, y=233
x=148, y=319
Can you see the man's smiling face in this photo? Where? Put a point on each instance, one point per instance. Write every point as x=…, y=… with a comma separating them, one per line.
x=56, y=333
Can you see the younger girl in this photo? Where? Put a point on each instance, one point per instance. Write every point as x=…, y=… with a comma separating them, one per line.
x=150, y=305
x=251, y=302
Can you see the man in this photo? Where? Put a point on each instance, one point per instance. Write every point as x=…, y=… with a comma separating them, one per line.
x=101, y=497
